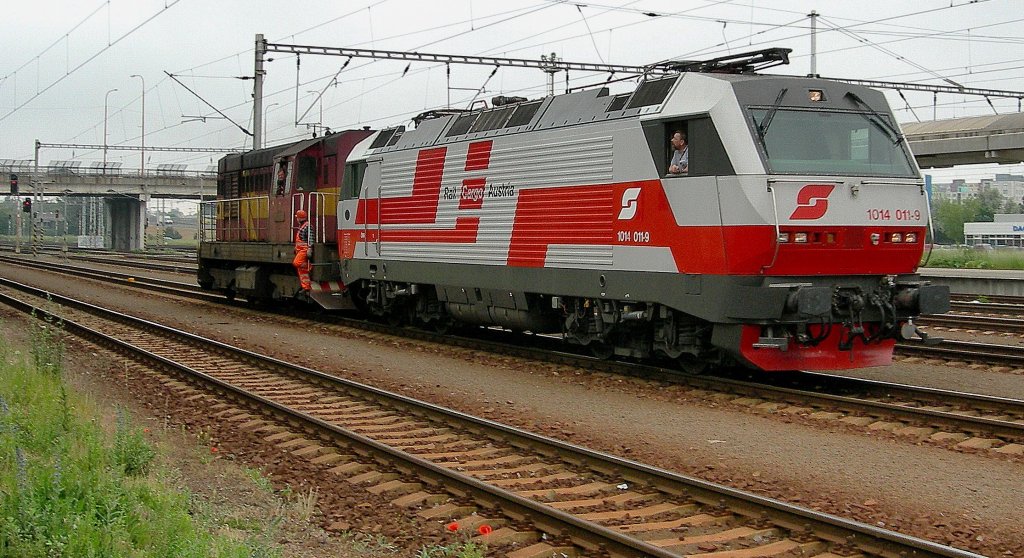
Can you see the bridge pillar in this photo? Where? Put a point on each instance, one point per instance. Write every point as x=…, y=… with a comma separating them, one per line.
x=127, y=223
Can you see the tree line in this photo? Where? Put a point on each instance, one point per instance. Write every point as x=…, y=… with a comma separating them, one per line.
x=950, y=215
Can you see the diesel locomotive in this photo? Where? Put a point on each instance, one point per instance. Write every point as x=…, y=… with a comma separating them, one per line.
x=791, y=242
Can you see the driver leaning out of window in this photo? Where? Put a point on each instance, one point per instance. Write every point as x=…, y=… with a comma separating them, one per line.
x=680, y=154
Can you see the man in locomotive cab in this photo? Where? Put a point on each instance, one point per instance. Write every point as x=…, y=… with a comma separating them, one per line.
x=282, y=176
x=303, y=250
x=680, y=163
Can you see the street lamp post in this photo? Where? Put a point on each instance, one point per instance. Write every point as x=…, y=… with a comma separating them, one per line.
x=265, y=122
x=142, y=162
x=105, y=98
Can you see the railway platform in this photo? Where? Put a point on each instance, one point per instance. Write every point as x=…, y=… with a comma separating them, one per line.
x=999, y=282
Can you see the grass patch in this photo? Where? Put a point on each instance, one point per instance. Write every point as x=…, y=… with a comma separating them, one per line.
x=69, y=488
x=968, y=258
x=262, y=482
x=456, y=550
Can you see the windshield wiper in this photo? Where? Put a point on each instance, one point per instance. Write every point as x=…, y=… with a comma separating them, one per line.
x=762, y=128
x=879, y=120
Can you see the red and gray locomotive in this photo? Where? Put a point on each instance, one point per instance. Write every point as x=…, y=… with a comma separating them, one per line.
x=791, y=242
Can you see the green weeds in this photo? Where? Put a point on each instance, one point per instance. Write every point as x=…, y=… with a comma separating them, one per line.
x=68, y=488
x=257, y=477
x=132, y=453
x=969, y=258
x=466, y=549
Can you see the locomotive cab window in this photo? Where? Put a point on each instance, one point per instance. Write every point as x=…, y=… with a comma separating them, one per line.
x=352, y=182
x=830, y=142
x=281, y=179
x=307, y=173
x=701, y=153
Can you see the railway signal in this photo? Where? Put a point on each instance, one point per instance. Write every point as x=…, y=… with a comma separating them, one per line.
x=14, y=184
x=26, y=206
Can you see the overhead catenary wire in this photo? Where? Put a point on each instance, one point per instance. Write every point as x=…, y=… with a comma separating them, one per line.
x=883, y=50
x=207, y=103
x=590, y=32
x=94, y=56
x=489, y=24
x=63, y=37
x=490, y=21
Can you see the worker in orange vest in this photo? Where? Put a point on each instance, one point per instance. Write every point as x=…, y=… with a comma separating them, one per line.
x=303, y=250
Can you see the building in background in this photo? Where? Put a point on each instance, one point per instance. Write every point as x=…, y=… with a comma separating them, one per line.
x=1010, y=186
x=1006, y=230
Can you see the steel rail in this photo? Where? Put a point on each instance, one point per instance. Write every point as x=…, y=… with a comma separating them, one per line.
x=1002, y=308
x=865, y=538
x=183, y=267
x=151, y=283
x=967, y=350
x=765, y=385
x=993, y=323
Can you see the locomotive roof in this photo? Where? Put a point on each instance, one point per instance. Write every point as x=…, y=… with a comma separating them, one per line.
x=265, y=157
x=596, y=105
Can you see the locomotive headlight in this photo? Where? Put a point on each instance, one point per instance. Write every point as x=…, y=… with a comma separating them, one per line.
x=875, y=238
x=800, y=237
x=910, y=237
x=815, y=95
x=784, y=237
x=896, y=237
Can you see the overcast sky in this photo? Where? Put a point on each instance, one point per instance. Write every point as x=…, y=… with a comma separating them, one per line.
x=61, y=57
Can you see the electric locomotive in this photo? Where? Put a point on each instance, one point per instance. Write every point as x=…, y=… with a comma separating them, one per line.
x=791, y=242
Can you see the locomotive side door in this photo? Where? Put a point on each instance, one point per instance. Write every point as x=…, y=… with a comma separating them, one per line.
x=371, y=221
x=358, y=217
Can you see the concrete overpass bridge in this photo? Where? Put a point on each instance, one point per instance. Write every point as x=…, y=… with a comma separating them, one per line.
x=58, y=180
x=998, y=138
x=114, y=200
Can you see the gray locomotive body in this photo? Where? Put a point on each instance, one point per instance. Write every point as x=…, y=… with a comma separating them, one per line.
x=791, y=242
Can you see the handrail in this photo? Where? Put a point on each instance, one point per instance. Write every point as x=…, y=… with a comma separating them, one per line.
x=778, y=231
x=228, y=222
x=931, y=228
x=323, y=200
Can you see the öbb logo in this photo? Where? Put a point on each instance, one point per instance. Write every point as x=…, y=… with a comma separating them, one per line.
x=630, y=203
x=812, y=201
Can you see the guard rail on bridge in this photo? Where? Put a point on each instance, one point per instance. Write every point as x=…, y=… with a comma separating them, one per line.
x=100, y=181
x=998, y=138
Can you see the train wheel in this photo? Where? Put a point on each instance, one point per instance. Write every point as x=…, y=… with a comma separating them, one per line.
x=442, y=326
x=394, y=319
x=603, y=351
x=692, y=365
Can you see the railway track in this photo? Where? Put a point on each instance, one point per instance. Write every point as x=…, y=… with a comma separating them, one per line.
x=171, y=263
x=190, y=290
x=992, y=354
x=988, y=299
x=961, y=420
x=975, y=322
x=167, y=252
x=536, y=495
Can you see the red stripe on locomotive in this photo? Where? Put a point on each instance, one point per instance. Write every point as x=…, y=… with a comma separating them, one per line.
x=418, y=208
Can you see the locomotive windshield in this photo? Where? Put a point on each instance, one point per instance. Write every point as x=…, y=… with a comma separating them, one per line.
x=831, y=142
